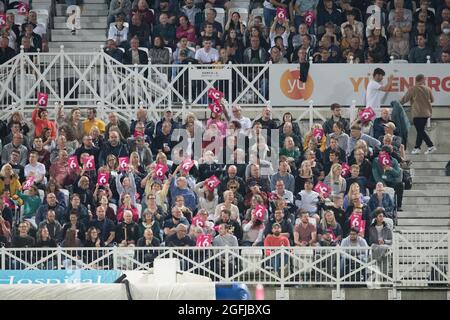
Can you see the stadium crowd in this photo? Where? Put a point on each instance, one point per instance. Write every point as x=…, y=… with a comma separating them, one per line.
x=190, y=31
x=52, y=195
x=328, y=31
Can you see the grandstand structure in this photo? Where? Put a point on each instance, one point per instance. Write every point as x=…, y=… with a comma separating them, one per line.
x=81, y=71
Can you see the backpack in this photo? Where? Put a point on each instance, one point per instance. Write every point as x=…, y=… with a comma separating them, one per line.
x=447, y=169
x=407, y=180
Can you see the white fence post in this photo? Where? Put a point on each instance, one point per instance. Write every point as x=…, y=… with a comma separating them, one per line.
x=102, y=73
x=59, y=257
x=22, y=77
x=3, y=258
x=61, y=74
x=311, y=113
x=352, y=111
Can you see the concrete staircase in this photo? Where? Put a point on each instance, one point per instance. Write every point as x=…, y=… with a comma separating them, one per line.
x=427, y=205
x=92, y=33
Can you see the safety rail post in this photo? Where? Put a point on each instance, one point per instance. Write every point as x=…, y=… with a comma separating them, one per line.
x=311, y=113
x=227, y=269
x=3, y=258
x=282, y=271
x=338, y=294
x=448, y=258
x=394, y=294
x=183, y=109
x=22, y=77
x=352, y=111
x=115, y=252
x=189, y=83
x=59, y=257
x=136, y=87
x=61, y=73
x=102, y=73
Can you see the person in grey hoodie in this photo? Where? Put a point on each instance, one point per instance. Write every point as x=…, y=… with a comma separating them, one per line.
x=116, y=8
x=356, y=134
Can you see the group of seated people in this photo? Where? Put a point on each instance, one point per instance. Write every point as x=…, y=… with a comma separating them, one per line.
x=52, y=191
x=31, y=34
x=327, y=31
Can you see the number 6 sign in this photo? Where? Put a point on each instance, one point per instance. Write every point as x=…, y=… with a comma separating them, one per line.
x=89, y=163
x=281, y=14
x=123, y=163
x=204, y=240
x=2, y=20
x=215, y=107
x=42, y=99
x=215, y=94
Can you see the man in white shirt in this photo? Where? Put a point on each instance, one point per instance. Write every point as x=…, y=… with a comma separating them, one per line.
x=245, y=122
x=36, y=169
x=376, y=91
x=207, y=54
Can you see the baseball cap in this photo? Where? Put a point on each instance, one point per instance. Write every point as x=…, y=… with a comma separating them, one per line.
x=276, y=224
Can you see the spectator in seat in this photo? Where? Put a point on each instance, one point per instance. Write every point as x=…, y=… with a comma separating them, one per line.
x=276, y=57
x=355, y=50
x=337, y=141
x=381, y=199
x=9, y=180
x=389, y=128
x=17, y=168
x=380, y=122
x=41, y=121
x=335, y=180
x=443, y=45
x=301, y=7
x=35, y=39
x=356, y=25
x=253, y=231
x=305, y=233
x=119, y=33
x=127, y=232
x=207, y=54
x=22, y=240
x=166, y=30
x=187, y=30
x=389, y=175
x=16, y=126
x=148, y=240
x=53, y=227
x=356, y=134
x=329, y=231
x=211, y=18
x=285, y=223
x=6, y=53
x=400, y=18
x=379, y=231
x=377, y=51
x=146, y=14
x=266, y=120
x=140, y=30
x=308, y=200
x=228, y=204
x=112, y=50
x=92, y=121
x=116, y=8
x=336, y=117
x=16, y=146
x=170, y=224
x=114, y=147
x=120, y=124
x=51, y=205
x=180, y=186
x=182, y=46
x=421, y=28
x=284, y=175
x=279, y=29
x=179, y=238
x=36, y=169
x=43, y=154
x=189, y=10
x=349, y=265
x=233, y=225
x=445, y=57
x=171, y=9
x=105, y=227
x=333, y=158
x=255, y=54
x=355, y=177
x=421, y=52
x=276, y=239
x=225, y=238
x=75, y=226
x=27, y=47
x=328, y=13
x=235, y=22
x=208, y=33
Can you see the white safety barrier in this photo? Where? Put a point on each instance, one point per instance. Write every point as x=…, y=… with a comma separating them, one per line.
x=414, y=259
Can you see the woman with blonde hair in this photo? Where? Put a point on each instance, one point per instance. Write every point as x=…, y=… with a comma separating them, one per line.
x=9, y=179
x=329, y=231
x=305, y=172
x=136, y=166
x=398, y=46
x=353, y=190
x=334, y=179
x=97, y=138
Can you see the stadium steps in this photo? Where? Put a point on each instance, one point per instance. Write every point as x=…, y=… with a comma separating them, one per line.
x=427, y=205
x=92, y=33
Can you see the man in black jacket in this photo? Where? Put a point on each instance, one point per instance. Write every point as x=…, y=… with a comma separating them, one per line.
x=336, y=117
x=135, y=55
x=114, y=146
x=6, y=52
x=88, y=147
x=179, y=238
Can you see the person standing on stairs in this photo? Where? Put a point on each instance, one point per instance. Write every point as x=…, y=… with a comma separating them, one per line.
x=421, y=98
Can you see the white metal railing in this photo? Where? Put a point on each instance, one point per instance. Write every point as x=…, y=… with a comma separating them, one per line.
x=96, y=79
x=415, y=259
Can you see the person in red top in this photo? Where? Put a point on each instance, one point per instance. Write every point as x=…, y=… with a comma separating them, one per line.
x=185, y=29
x=276, y=240
x=40, y=121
